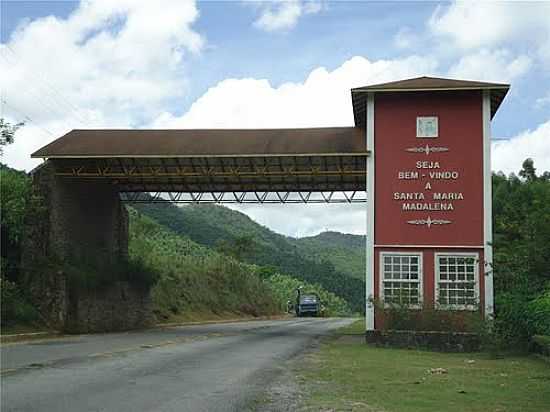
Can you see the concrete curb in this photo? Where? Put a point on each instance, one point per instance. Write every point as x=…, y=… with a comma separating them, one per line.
x=24, y=337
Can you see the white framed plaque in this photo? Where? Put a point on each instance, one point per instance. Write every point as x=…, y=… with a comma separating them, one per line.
x=427, y=127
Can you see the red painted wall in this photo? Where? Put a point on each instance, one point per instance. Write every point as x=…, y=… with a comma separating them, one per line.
x=460, y=130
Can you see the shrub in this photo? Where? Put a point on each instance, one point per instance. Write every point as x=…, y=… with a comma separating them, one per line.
x=97, y=274
x=14, y=307
x=427, y=318
x=539, y=314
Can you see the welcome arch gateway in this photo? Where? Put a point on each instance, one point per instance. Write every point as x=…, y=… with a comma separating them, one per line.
x=418, y=157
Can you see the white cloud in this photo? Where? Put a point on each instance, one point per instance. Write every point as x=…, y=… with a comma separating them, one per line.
x=283, y=15
x=508, y=155
x=323, y=99
x=491, y=65
x=477, y=24
x=110, y=64
x=308, y=220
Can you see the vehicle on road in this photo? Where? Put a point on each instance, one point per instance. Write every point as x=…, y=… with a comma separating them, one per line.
x=307, y=304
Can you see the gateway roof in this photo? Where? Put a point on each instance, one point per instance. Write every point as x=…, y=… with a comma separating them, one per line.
x=359, y=94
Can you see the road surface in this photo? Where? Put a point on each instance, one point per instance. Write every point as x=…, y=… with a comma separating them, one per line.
x=213, y=367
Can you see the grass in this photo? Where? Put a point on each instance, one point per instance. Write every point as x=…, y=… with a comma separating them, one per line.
x=355, y=328
x=208, y=316
x=346, y=374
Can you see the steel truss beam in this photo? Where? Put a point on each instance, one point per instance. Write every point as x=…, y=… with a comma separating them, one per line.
x=249, y=171
x=244, y=197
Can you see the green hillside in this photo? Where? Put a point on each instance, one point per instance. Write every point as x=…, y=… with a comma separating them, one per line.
x=216, y=227
x=345, y=251
x=195, y=279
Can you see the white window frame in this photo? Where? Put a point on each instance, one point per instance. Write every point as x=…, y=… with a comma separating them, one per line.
x=473, y=255
x=420, y=278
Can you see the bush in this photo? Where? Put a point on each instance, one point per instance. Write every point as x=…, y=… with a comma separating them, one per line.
x=520, y=316
x=542, y=344
x=100, y=274
x=400, y=317
x=14, y=306
x=539, y=314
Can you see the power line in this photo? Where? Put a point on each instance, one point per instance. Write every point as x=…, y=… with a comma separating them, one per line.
x=47, y=91
x=52, y=89
x=26, y=117
x=47, y=107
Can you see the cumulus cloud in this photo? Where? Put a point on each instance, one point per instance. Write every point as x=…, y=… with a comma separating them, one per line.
x=283, y=15
x=323, y=99
x=108, y=64
x=474, y=24
x=508, y=155
x=491, y=65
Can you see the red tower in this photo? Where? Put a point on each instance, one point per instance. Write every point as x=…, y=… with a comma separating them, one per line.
x=429, y=229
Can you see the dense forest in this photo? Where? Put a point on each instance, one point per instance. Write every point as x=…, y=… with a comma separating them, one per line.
x=346, y=252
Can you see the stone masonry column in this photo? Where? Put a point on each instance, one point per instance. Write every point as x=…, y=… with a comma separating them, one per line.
x=84, y=224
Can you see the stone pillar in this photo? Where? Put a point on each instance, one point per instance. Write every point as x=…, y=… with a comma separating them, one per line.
x=82, y=224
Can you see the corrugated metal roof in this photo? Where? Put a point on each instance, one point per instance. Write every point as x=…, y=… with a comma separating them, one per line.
x=205, y=143
x=359, y=94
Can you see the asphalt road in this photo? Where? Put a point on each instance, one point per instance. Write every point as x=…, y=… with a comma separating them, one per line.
x=214, y=367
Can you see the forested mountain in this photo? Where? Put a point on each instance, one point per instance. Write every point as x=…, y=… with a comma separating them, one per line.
x=195, y=279
x=345, y=251
x=226, y=229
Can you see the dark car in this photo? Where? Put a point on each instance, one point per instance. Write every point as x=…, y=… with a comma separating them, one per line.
x=308, y=304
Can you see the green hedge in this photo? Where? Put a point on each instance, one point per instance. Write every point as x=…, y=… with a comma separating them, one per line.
x=541, y=344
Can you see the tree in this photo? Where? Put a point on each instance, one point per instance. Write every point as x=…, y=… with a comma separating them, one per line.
x=239, y=248
x=7, y=133
x=528, y=170
x=521, y=222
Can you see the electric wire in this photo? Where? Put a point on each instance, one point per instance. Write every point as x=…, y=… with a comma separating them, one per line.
x=46, y=100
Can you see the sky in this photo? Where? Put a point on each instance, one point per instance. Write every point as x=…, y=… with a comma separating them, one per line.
x=244, y=64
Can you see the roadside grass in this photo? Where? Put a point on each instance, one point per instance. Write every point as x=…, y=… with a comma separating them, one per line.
x=209, y=316
x=346, y=374
x=355, y=328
